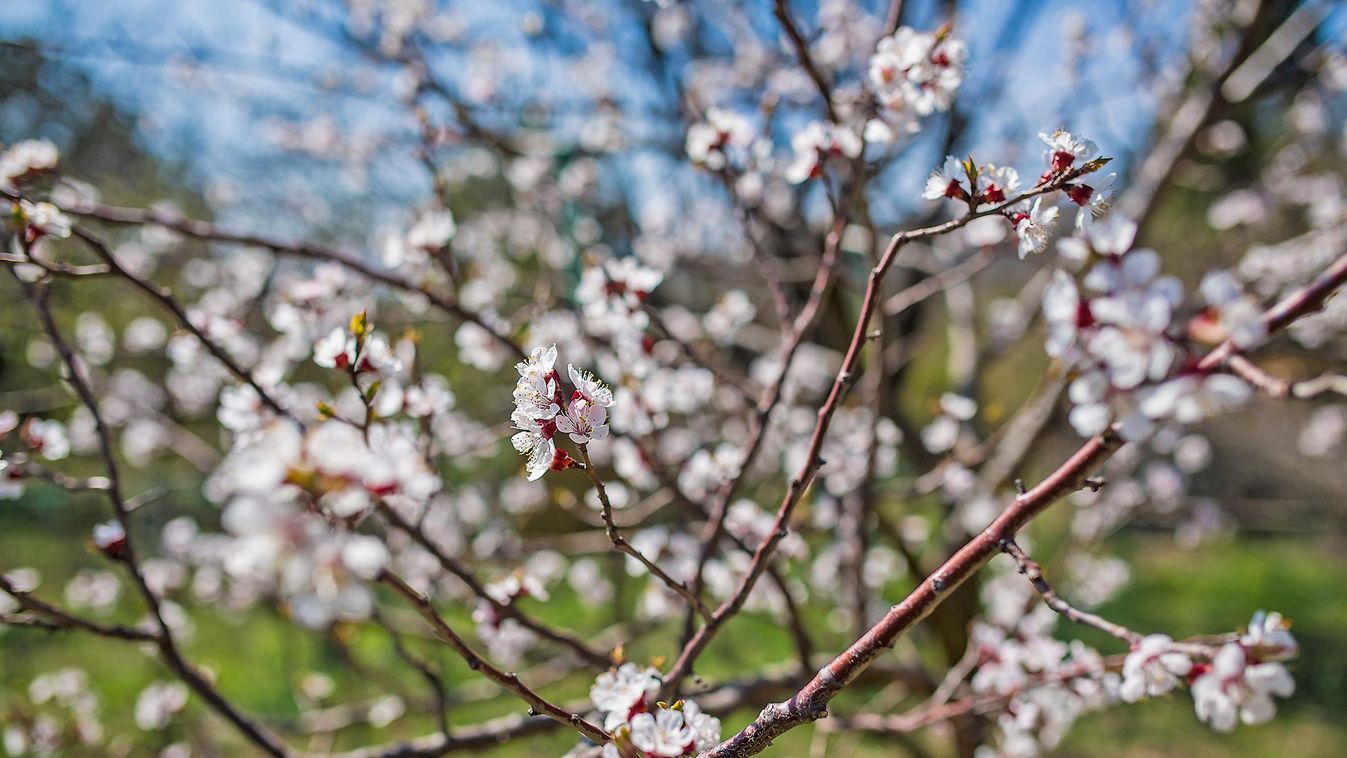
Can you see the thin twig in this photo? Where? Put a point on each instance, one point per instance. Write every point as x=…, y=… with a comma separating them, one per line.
x=806, y=59
x=424, y=668
x=56, y=619
x=168, y=649
x=621, y=543
x=1275, y=386
x=205, y=230
x=508, y=681
x=1034, y=573
x=507, y=610
x=840, y=386
x=810, y=703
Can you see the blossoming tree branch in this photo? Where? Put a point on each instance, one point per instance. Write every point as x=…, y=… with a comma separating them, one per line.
x=705, y=429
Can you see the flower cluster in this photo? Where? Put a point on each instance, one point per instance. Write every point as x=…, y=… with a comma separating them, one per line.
x=613, y=295
x=914, y=74
x=158, y=703
x=1246, y=674
x=965, y=181
x=356, y=349
x=318, y=570
x=292, y=496
x=819, y=144
x=21, y=163
x=506, y=639
x=1017, y=653
x=25, y=160
x=1118, y=336
x=685, y=282
x=413, y=252
x=1237, y=684
x=541, y=411
x=63, y=716
x=640, y=726
x=1034, y=220
x=1229, y=313
x=713, y=142
x=39, y=220
x=46, y=437
x=1064, y=149
x=1153, y=668
x=335, y=466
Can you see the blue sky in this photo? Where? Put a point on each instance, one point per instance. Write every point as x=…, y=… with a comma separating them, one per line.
x=260, y=65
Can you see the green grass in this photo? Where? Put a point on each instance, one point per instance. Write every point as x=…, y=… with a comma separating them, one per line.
x=260, y=658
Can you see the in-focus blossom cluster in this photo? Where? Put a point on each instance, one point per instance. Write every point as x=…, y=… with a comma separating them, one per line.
x=1034, y=219
x=355, y=349
x=541, y=410
x=641, y=727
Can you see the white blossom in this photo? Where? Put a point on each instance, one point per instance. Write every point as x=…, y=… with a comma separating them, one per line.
x=591, y=388
x=1235, y=689
x=709, y=143
x=946, y=181
x=1065, y=148
x=584, y=420
x=1269, y=637
x=1062, y=311
x=818, y=144
x=997, y=183
x=618, y=691
x=917, y=71
x=43, y=218
x=1035, y=226
x=432, y=230
x=158, y=703
x=26, y=158
x=1237, y=317
x=705, y=728
x=664, y=734
x=531, y=442
x=1153, y=668
x=1094, y=200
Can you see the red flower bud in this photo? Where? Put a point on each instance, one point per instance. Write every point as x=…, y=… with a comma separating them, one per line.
x=561, y=460
x=1084, y=318
x=1198, y=670
x=1080, y=194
